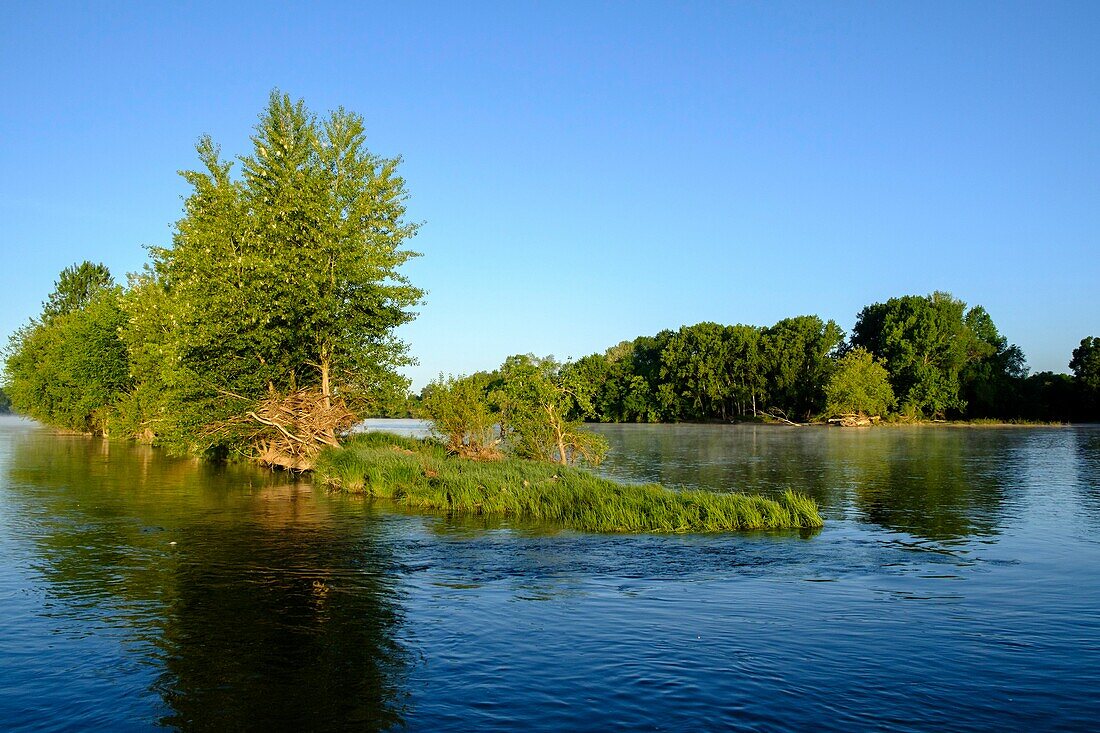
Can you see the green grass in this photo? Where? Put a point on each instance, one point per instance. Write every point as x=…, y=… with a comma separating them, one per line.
x=420, y=474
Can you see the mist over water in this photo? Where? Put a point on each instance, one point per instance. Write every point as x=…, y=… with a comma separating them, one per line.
x=956, y=586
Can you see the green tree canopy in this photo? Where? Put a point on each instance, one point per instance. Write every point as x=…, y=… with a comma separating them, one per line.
x=694, y=366
x=537, y=397
x=859, y=385
x=461, y=414
x=1085, y=363
x=925, y=343
x=992, y=380
x=284, y=278
x=797, y=358
x=71, y=369
x=1086, y=376
x=75, y=288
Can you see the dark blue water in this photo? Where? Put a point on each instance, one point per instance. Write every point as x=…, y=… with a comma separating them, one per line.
x=956, y=586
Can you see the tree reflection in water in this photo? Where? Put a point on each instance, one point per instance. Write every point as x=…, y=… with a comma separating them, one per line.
x=263, y=604
x=935, y=483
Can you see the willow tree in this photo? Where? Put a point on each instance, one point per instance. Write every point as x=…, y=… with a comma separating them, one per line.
x=283, y=284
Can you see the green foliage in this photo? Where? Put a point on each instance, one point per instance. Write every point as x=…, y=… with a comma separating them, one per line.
x=694, y=361
x=708, y=371
x=75, y=288
x=797, y=360
x=925, y=343
x=536, y=398
x=71, y=369
x=1047, y=396
x=747, y=386
x=1086, y=363
x=1086, y=373
x=460, y=413
x=859, y=385
x=284, y=278
x=991, y=381
x=624, y=380
x=5, y=403
x=424, y=477
x=942, y=359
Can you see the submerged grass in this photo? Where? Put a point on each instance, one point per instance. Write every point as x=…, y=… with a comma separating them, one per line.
x=421, y=475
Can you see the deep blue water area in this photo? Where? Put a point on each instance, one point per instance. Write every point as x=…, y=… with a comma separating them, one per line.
x=955, y=586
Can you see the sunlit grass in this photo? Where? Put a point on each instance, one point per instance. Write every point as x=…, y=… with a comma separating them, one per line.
x=421, y=475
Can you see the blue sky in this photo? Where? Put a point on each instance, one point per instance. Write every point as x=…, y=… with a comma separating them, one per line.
x=590, y=172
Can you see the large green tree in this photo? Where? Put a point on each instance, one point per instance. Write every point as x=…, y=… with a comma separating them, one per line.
x=75, y=288
x=858, y=386
x=282, y=279
x=538, y=398
x=1086, y=375
x=1086, y=363
x=797, y=358
x=925, y=343
x=462, y=416
x=746, y=378
x=694, y=367
x=991, y=382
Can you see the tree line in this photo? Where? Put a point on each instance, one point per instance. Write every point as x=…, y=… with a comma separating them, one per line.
x=910, y=358
x=266, y=329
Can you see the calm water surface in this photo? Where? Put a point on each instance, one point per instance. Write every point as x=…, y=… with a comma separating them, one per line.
x=956, y=586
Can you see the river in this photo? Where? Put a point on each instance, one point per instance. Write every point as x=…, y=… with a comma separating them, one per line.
x=955, y=586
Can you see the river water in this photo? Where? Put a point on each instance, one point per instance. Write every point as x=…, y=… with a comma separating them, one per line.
x=955, y=586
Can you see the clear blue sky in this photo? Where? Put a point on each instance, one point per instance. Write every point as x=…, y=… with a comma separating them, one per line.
x=589, y=172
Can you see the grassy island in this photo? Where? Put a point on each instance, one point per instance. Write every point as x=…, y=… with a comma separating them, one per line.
x=420, y=474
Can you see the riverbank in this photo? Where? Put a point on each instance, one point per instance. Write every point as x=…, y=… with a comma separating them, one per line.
x=419, y=474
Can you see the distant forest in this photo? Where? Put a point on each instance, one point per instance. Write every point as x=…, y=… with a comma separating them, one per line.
x=910, y=358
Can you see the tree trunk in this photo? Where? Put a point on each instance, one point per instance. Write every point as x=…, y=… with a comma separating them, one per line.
x=326, y=387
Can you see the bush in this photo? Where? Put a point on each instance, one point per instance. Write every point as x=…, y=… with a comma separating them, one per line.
x=858, y=386
x=459, y=411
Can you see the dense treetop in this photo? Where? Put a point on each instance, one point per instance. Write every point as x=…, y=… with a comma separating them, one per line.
x=280, y=283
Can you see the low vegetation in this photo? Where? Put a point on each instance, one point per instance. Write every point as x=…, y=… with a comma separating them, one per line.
x=422, y=475
x=529, y=408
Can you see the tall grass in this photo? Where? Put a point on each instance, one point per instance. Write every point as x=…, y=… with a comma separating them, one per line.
x=420, y=474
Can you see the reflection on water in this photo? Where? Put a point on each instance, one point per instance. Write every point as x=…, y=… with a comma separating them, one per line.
x=954, y=586
x=280, y=625
x=259, y=605
x=934, y=482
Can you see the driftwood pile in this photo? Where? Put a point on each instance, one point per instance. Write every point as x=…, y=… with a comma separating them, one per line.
x=854, y=421
x=476, y=450
x=288, y=431
x=298, y=425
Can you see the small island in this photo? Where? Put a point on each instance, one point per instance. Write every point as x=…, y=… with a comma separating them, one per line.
x=421, y=474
